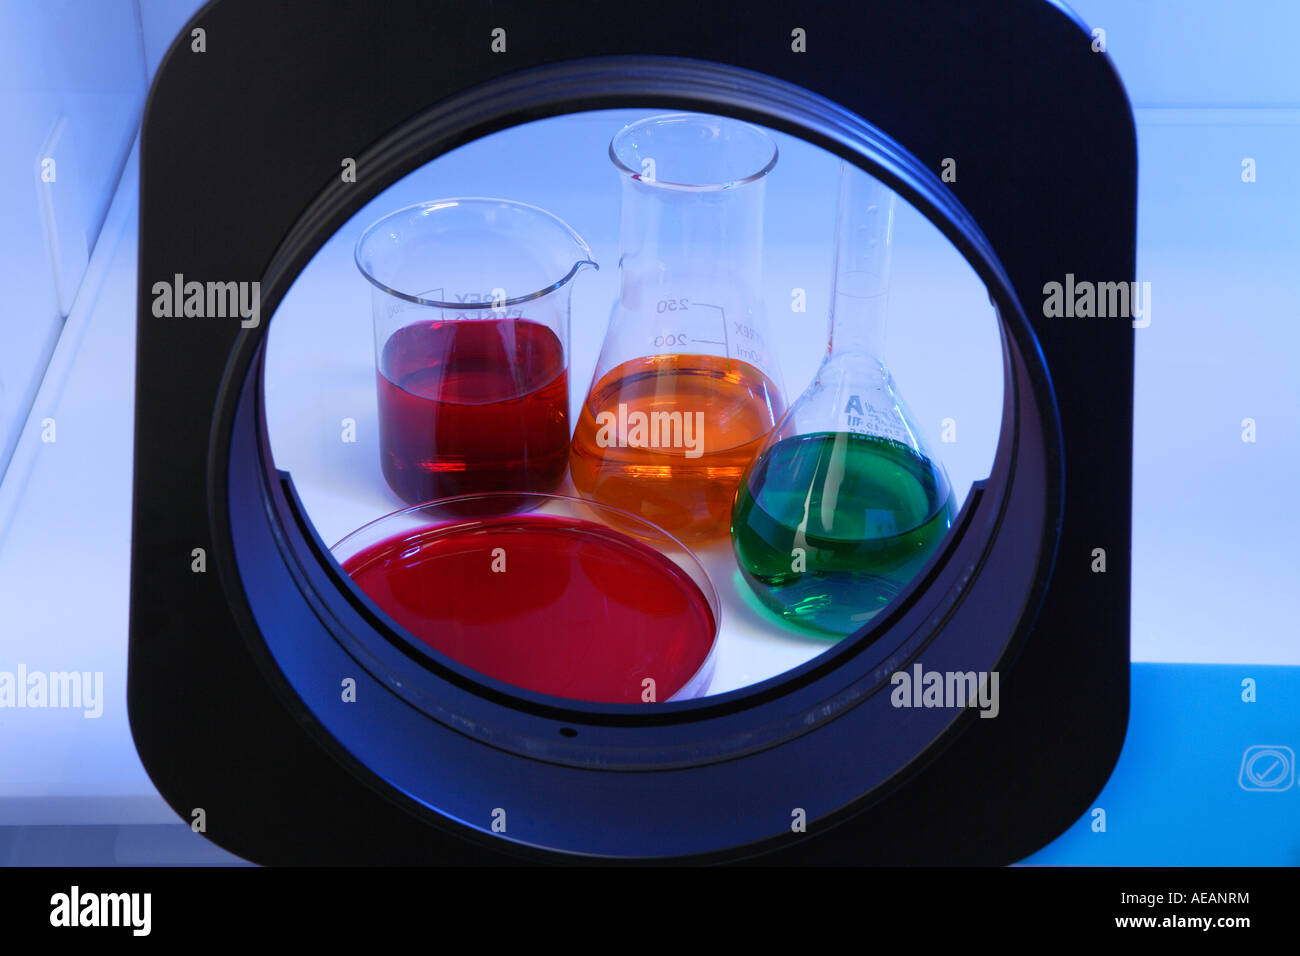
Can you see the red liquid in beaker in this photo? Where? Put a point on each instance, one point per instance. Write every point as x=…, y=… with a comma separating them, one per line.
x=550, y=604
x=473, y=405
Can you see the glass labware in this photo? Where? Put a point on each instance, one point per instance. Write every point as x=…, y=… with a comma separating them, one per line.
x=470, y=299
x=686, y=387
x=553, y=594
x=845, y=502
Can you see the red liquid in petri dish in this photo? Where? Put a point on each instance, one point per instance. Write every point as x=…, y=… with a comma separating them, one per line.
x=580, y=611
x=473, y=405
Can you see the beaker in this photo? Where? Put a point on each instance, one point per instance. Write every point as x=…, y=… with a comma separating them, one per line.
x=845, y=503
x=686, y=387
x=471, y=316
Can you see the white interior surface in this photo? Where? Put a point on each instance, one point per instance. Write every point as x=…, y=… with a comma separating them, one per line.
x=1216, y=570
x=943, y=340
x=66, y=126
x=66, y=557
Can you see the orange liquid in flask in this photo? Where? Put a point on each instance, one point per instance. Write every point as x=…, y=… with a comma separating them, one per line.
x=668, y=438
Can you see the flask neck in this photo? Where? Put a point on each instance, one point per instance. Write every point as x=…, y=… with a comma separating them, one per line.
x=863, y=238
x=857, y=328
x=682, y=241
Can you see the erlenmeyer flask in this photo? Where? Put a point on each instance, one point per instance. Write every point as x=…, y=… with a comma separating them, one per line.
x=845, y=503
x=686, y=388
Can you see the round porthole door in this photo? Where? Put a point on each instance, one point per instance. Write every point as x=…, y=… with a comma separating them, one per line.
x=364, y=635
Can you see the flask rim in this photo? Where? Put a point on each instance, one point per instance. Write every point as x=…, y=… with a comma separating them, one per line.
x=665, y=119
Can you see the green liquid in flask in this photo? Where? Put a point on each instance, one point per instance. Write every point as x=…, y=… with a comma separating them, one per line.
x=829, y=527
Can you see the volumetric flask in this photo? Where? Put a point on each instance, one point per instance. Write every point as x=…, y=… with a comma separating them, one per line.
x=845, y=503
x=686, y=387
x=471, y=315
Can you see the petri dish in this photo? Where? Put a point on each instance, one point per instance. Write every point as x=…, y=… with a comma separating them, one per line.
x=551, y=594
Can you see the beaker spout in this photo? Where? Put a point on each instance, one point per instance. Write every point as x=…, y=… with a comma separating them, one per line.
x=582, y=264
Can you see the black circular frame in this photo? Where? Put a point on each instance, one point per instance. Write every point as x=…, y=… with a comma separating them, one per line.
x=491, y=767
